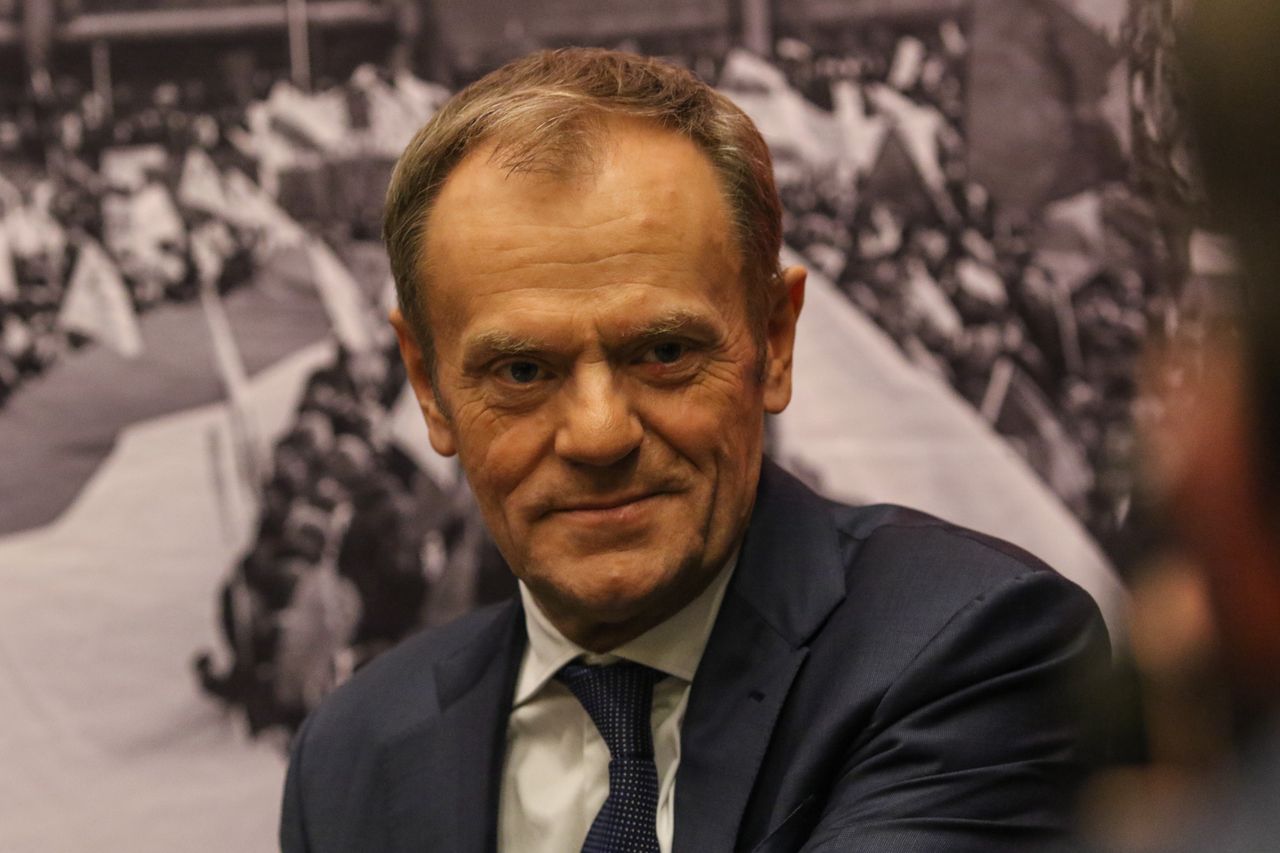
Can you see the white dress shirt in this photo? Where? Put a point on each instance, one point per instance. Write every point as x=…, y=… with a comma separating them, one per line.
x=556, y=775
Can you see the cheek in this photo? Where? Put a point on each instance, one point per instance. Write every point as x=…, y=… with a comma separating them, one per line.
x=712, y=425
x=501, y=453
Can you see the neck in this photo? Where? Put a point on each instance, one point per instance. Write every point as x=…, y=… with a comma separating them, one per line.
x=588, y=630
x=601, y=636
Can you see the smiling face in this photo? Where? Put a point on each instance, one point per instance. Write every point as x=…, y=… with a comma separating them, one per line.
x=597, y=374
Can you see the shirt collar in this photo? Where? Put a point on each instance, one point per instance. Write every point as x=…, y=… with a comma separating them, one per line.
x=673, y=647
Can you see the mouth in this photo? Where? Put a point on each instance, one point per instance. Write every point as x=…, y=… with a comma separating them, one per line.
x=612, y=510
x=605, y=503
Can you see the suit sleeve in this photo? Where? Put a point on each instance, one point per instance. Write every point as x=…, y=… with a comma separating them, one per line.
x=293, y=833
x=976, y=746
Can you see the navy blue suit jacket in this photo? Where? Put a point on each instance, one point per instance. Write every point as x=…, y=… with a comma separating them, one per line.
x=876, y=680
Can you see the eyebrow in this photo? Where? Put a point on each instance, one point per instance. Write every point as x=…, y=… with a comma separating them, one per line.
x=497, y=343
x=671, y=323
x=491, y=344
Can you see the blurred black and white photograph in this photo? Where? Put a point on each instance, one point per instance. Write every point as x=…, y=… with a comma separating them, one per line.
x=218, y=499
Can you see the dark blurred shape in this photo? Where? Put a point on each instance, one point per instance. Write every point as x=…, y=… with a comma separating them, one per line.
x=1234, y=83
x=1206, y=633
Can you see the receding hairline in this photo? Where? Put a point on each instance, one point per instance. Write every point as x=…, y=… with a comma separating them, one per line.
x=583, y=169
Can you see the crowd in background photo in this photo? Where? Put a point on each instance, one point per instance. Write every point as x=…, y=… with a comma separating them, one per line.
x=1036, y=321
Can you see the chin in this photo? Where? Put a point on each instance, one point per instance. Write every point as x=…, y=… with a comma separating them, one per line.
x=611, y=588
x=617, y=596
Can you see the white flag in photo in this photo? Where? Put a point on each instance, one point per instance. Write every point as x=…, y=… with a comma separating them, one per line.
x=235, y=382
x=981, y=282
x=908, y=60
x=200, y=187
x=156, y=216
x=269, y=148
x=420, y=97
x=317, y=120
x=129, y=167
x=211, y=245
x=918, y=125
x=8, y=276
x=145, y=234
x=1076, y=223
x=32, y=232
x=408, y=430
x=926, y=300
x=250, y=207
x=226, y=352
x=15, y=337
x=97, y=303
x=392, y=122
x=347, y=307
x=862, y=135
x=1105, y=17
x=787, y=120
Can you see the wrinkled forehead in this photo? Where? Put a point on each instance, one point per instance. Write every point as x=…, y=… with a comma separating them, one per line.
x=645, y=195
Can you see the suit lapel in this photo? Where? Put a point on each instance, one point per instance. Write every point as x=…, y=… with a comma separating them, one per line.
x=787, y=581
x=445, y=775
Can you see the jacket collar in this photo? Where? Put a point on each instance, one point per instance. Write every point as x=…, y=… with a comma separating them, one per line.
x=445, y=774
x=791, y=535
x=789, y=579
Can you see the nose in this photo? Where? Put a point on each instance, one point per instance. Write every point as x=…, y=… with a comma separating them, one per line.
x=598, y=426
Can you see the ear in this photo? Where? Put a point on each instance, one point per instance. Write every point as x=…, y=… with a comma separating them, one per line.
x=439, y=424
x=780, y=338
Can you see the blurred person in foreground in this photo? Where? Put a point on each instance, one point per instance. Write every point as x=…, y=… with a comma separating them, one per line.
x=704, y=655
x=1207, y=625
x=1221, y=463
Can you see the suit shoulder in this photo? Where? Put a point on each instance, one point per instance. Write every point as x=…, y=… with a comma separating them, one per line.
x=927, y=596
x=909, y=567
x=930, y=543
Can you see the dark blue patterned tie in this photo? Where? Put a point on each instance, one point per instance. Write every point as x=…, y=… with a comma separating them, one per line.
x=618, y=698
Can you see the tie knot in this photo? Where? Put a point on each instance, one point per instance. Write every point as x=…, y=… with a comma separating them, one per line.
x=618, y=698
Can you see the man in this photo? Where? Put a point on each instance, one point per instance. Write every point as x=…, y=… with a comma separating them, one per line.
x=704, y=655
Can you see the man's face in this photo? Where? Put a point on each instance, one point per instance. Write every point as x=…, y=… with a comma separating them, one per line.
x=597, y=375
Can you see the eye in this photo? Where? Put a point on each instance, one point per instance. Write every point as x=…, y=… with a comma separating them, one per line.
x=667, y=352
x=520, y=372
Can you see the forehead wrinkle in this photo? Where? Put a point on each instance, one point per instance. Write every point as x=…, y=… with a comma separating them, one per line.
x=529, y=197
x=550, y=238
x=528, y=257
